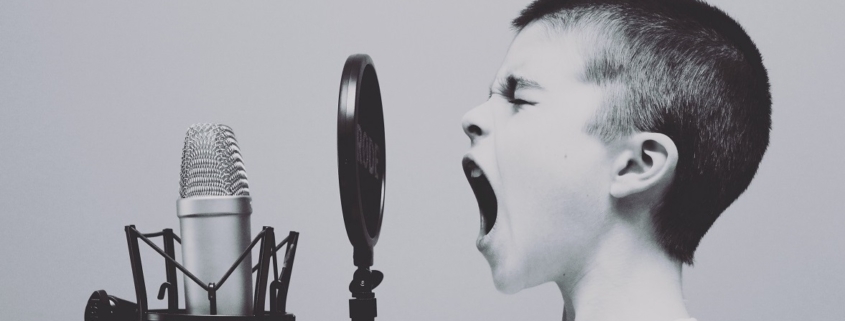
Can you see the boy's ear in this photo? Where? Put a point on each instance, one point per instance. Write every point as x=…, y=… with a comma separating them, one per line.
x=645, y=161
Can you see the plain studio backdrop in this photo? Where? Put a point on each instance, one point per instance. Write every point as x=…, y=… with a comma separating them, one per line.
x=96, y=96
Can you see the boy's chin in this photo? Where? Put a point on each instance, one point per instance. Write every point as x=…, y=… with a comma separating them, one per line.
x=508, y=280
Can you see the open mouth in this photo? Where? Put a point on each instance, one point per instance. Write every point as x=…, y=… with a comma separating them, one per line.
x=484, y=194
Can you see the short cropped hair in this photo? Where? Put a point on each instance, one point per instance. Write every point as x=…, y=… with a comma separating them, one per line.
x=684, y=69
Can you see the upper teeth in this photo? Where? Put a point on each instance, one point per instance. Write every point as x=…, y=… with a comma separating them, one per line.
x=476, y=173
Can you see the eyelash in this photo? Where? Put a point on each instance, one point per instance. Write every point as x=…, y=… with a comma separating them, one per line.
x=508, y=91
x=519, y=102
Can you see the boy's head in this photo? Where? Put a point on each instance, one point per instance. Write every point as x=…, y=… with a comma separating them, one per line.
x=606, y=108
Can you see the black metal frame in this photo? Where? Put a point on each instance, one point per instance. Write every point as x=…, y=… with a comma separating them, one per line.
x=278, y=287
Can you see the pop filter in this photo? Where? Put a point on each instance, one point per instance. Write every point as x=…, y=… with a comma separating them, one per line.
x=361, y=156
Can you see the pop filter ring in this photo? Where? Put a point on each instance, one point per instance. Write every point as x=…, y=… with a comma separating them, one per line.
x=361, y=156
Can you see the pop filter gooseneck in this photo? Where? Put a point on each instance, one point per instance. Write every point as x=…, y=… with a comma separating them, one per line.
x=361, y=168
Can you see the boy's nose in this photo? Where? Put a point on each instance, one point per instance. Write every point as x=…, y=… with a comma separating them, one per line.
x=476, y=123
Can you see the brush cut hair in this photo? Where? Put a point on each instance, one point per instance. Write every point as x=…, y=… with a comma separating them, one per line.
x=684, y=69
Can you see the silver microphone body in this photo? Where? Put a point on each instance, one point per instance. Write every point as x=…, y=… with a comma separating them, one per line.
x=215, y=231
x=214, y=215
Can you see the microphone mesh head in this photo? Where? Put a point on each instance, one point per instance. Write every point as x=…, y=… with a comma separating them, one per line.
x=212, y=163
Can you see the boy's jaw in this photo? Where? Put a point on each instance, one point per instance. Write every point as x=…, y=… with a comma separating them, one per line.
x=490, y=242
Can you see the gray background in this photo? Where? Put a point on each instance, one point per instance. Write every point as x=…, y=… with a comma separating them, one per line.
x=96, y=96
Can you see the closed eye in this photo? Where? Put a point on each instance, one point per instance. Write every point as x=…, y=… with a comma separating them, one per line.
x=520, y=102
x=508, y=88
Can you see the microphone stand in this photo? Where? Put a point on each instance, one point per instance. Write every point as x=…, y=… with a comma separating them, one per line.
x=102, y=306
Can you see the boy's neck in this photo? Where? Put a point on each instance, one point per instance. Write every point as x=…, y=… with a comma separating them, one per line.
x=629, y=278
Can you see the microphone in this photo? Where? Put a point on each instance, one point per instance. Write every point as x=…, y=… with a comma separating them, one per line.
x=214, y=210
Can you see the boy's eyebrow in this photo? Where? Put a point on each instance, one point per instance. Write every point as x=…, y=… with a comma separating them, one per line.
x=512, y=83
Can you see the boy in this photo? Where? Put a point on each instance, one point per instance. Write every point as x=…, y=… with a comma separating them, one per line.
x=615, y=134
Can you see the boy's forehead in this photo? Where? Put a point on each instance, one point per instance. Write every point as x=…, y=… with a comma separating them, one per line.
x=545, y=55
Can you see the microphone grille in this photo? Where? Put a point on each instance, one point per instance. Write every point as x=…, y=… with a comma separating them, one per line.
x=212, y=163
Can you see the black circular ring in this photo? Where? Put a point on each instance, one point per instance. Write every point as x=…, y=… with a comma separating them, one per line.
x=361, y=155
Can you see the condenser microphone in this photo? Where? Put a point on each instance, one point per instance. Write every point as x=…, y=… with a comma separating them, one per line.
x=214, y=210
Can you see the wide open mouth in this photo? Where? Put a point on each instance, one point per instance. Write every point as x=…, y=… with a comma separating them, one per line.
x=484, y=194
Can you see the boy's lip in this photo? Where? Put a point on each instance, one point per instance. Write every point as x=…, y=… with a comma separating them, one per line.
x=484, y=193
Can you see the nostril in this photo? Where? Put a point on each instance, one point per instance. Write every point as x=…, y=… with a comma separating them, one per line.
x=474, y=130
